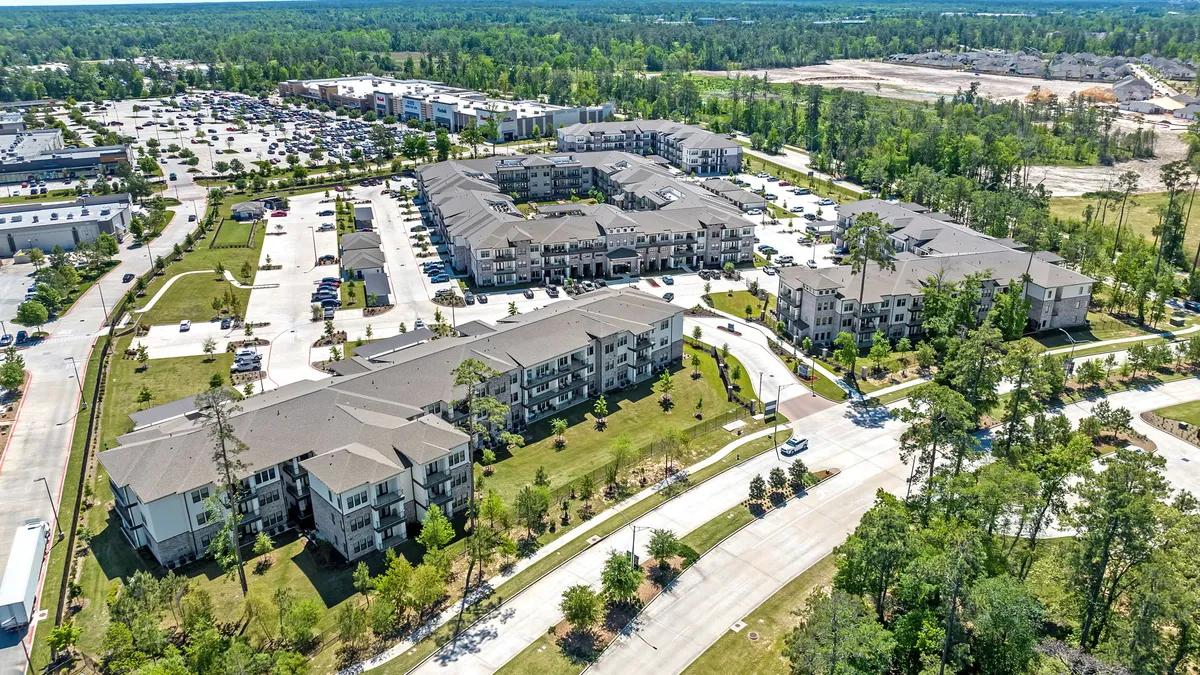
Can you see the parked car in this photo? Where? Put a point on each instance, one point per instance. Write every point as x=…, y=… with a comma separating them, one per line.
x=440, y=278
x=825, y=201
x=328, y=314
x=1192, y=305
x=244, y=367
x=418, y=324
x=327, y=259
x=811, y=263
x=754, y=212
x=784, y=183
x=22, y=337
x=6, y=340
x=226, y=323
x=326, y=227
x=669, y=280
x=797, y=209
x=794, y=446
x=668, y=297
x=185, y=325
x=469, y=297
x=482, y=297
x=769, y=271
x=278, y=214
x=552, y=291
x=326, y=212
x=331, y=302
x=191, y=218
x=810, y=216
x=128, y=277
x=799, y=191
x=331, y=280
x=528, y=293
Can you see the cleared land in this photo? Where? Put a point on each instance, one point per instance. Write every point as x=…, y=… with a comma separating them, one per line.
x=1141, y=215
x=912, y=83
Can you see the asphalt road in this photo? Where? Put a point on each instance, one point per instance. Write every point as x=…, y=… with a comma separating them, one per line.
x=40, y=443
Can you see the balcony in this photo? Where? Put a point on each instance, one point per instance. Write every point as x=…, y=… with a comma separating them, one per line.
x=435, y=478
x=387, y=499
x=296, y=472
x=392, y=541
x=440, y=499
x=298, y=492
x=572, y=366
x=389, y=521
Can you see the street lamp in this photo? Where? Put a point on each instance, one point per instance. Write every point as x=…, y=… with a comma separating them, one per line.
x=1071, y=355
x=76, y=369
x=53, y=508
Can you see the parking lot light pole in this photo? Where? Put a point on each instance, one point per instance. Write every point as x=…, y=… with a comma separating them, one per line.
x=53, y=508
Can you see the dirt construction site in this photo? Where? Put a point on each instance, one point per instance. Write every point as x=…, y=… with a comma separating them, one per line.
x=912, y=83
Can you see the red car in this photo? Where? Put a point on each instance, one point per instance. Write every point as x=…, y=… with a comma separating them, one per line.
x=784, y=183
x=339, y=188
x=279, y=214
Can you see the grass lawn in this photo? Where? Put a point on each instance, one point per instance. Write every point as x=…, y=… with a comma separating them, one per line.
x=360, y=299
x=233, y=232
x=735, y=303
x=191, y=298
x=1141, y=215
x=1184, y=412
x=50, y=196
x=704, y=538
x=635, y=412
x=1102, y=327
x=818, y=187
x=168, y=379
x=772, y=620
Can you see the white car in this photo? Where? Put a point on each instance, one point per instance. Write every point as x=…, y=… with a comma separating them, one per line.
x=794, y=446
x=754, y=212
x=185, y=325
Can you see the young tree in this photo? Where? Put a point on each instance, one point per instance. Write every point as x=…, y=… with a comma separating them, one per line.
x=512, y=309
x=666, y=385
x=926, y=355
x=758, y=488
x=533, y=503
x=600, y=412
x=581, y=607
x=65, y=635
x=12, y=370
x=558, y=427
x=32, y=313
x=263, y=544
x=210, y=348
x=778, y=480
x=217, y=409
x=436, y=530
x=622, y=454
x=663, y=546
x=797, y=473
x=845, y=351
x=621, y=578
x=881, y=349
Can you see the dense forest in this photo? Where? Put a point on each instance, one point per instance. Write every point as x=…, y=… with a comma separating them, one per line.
x=484, y=43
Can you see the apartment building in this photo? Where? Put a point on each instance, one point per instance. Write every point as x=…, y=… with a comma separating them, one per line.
x=442, y=104
x=689, y=149
x=649, y=219
x=820, y=303
x=360, y=457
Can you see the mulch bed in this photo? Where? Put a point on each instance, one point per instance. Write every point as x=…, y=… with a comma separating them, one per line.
x=775, y=500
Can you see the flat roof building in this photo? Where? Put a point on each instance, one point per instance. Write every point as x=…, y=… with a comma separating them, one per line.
x=442, y=104
x=40, y=155
x=46, y=225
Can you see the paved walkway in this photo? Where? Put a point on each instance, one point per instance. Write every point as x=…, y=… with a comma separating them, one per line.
x=167, y=286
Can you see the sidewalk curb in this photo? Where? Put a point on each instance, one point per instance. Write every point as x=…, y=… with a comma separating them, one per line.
x=17, y=417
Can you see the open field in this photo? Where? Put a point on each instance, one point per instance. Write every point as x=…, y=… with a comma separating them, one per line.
x=1184, y=412
x=1141, y=215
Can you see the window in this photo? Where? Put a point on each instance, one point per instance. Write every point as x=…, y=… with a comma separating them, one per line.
x=485, y=254
x=264, y=476
x=202, y=518
x=900, y=302
x=664, y=325
x=198, y=495
x=356, y=500
x=205, y=541
x=458, y=458
x=360, y=523
x=269, y=497
x=899, y=317
x=431, y=468
x=608, y=349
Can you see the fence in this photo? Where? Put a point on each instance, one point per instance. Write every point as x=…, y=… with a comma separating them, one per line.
x=651, y=450
x=723, y=372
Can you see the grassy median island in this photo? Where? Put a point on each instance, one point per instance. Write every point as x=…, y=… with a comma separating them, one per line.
x=1184, y=412
x=735, y=303
x=191, y=298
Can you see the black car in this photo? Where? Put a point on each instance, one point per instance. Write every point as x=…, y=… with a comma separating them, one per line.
x=552, y=291
x=481, y=298
x=469, y=297
x=127, y=278
x=528, y=293
x=226, y=323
